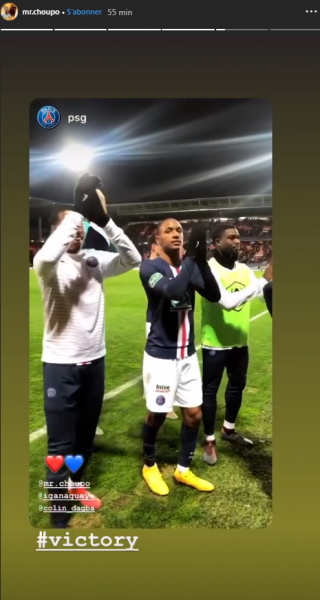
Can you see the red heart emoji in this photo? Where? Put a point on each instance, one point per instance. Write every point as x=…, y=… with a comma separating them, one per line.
x=54, y=463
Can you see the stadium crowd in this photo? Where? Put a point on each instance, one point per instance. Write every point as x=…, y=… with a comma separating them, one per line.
x=249, y=228
x=256, y=238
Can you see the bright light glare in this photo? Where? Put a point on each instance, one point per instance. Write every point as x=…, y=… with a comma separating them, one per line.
x=75, y=157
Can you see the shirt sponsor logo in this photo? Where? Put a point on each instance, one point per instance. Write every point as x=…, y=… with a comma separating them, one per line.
x=154, y=279
x=160, y=400
x=163, y=389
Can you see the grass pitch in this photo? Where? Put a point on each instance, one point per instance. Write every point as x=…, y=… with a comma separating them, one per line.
x=242, y=478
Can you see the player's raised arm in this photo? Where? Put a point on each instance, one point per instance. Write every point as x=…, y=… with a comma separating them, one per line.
x=231, y=300
x=127, y=256
x=203, y=280
x=254, y=290
x=173, y=288
x=92, y=201
x=260, y=283
x=68, y=226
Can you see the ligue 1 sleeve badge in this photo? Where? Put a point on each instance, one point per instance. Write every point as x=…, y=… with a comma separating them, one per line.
x=48, y=117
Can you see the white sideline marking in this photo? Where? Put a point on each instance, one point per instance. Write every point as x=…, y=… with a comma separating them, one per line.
x=118, y=390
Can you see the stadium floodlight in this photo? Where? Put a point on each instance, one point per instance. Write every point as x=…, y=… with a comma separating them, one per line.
x=76, y=158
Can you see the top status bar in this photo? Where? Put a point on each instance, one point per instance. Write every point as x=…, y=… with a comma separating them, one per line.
x=203, y=16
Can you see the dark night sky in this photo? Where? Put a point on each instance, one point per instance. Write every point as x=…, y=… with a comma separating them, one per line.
x=154, y=167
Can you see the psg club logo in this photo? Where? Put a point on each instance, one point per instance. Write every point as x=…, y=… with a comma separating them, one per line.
x=160, y=400
x=48, y=117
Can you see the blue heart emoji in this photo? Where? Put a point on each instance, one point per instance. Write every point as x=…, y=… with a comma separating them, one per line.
x=74, y=462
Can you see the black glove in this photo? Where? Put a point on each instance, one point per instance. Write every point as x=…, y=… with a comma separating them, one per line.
x=95, y=208
x=197, y=245
x=90, y=201
x=88, y=183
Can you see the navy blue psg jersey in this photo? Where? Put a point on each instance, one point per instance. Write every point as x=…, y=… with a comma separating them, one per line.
x=149, y=314
x=171, y=300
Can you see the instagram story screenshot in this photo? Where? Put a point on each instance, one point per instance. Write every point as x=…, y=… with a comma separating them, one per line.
x=159, y=163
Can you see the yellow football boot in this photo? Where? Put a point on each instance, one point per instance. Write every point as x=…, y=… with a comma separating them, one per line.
x=189, y=478
x=154, y=481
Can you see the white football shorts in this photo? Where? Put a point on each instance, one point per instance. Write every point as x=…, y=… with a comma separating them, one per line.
x=169, y=383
